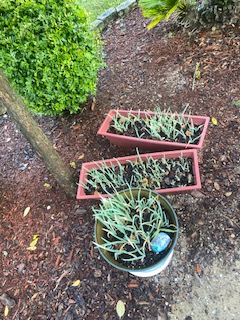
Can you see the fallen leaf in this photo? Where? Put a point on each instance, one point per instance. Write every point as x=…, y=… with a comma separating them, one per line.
x=76, y=283
x=188, y=133
x=73, y=165
x=228, y=194
x=216, y=186
x=120, y=308
x=132, y=285
x=33, y=243
x=96, y=193
x=198, y=268
x=144, y=182
x=93, y=104
x=34, y=296
x=71, y=301
x=81, y=156
x=26, y=211
x=34, y=240
x=58, y=260
x=47, y=185
x=6, y=311
x=76, y=127
x=214, y=121
x=236, y=103
x=32, y=248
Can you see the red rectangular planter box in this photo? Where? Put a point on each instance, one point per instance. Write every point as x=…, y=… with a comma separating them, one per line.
x=149, y=144
x=191, y=153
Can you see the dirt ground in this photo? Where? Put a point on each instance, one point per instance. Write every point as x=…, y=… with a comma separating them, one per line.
x=145, y=69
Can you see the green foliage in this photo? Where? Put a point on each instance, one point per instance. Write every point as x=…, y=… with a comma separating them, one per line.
x=157, y=10
x=162, y=126
x=131, y=223
x=49, y=53
x=236, y=103
x=150, y=174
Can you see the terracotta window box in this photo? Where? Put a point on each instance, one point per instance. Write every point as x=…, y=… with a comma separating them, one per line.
x=150, y=144
x=191, y=153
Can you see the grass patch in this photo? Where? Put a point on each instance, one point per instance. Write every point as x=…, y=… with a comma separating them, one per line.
x=96, y=7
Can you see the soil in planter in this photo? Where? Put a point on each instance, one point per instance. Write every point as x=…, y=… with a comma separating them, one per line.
x=151, y=257
x=173, y=175
x=140, y=125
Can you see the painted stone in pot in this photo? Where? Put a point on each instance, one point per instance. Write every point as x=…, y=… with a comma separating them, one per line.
x=160, y=242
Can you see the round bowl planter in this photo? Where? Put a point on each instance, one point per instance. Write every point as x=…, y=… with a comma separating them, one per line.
x=166, y=255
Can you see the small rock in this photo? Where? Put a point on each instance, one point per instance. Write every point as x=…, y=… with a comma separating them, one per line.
x=228, y=194
x=198, y=194
x=177, y=205
x=223, y=158
x=216, y=186
x=167, y=181
x=97, y=273
x=194, y=235
x=7, y=301
x=20, y=267
x=80, y=211
x=160, y=242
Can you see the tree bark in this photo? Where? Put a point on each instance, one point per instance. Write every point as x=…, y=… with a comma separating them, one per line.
x=18, y=111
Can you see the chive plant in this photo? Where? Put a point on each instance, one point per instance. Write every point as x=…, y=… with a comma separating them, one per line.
x=130, y=224
x=151, y=173
x=166, y=126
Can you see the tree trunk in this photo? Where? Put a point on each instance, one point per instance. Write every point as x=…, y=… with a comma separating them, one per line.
x=20, y=114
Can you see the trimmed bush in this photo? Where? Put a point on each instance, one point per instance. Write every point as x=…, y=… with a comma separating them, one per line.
x=49, y=53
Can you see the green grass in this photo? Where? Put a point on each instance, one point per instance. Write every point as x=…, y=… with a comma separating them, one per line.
x=97, y=7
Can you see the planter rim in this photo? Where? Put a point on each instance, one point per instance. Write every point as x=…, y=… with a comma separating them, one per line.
x=103, y=131
x=150, y=268
x=192, y=153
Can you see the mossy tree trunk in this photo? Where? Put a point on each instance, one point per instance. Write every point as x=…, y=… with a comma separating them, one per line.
x=27, y=125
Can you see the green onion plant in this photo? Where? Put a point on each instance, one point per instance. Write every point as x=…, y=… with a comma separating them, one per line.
x=166, y=126
x=149, y=173
x=131, y=223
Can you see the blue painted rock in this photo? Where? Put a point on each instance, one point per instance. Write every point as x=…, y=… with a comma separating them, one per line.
x=160, y=242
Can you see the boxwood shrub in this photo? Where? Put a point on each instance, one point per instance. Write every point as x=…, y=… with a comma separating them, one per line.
x=49, y=53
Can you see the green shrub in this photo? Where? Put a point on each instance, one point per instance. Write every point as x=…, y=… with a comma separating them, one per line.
x=49, y=53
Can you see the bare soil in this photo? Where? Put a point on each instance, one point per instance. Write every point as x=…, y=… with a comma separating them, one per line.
x=145, y=69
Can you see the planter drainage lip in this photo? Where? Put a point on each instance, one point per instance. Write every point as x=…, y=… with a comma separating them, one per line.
x=155, y=145
x=191, y=153
x=159, y=265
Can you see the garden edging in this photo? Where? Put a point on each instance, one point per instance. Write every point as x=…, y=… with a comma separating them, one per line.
x=114, y=13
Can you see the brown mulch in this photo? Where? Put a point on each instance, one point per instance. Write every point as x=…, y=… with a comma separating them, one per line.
x=145, y=69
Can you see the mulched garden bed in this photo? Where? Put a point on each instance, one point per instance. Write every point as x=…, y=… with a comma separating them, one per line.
x=144, y=69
